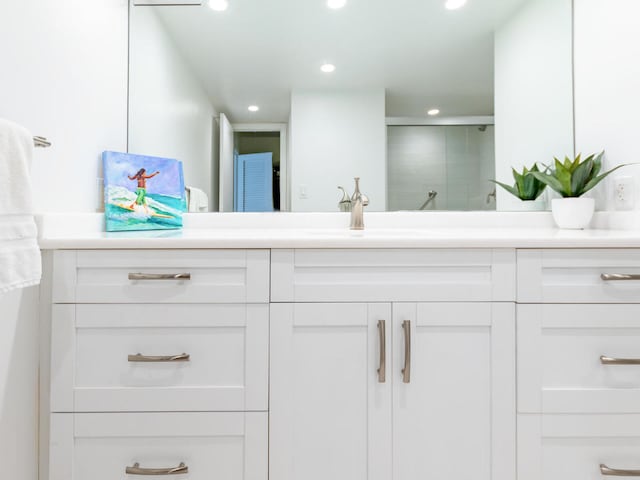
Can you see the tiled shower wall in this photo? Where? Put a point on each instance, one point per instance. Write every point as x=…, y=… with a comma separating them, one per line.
x=455, y=161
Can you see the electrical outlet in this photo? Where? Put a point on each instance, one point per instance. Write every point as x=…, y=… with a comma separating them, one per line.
x=624, y=193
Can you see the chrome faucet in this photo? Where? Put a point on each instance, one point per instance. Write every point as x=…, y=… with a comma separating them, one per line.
x=358, y=202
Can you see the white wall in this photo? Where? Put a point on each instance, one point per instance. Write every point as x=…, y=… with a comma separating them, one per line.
x=170, y=114
x=19, y=384
x=607, y=49
x=533, y=89
x=335, y=136
x=64, y=76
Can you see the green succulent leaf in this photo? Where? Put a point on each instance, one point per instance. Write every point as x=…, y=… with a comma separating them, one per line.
x=563, y=175
x=512, y=190
x=550, y=181
x=596, y=180
x=581, y=176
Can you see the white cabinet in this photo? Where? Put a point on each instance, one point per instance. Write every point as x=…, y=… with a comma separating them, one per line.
x=159, y=364
x=578, y=364
x=334, y=416
x=454, y=415
x=330, y=416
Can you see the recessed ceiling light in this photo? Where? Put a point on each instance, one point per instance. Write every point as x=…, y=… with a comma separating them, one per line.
x=433, y=112
x=219, y=5
x=328, y=68
x=455, y=4
x=335, y=4
x=254, y=108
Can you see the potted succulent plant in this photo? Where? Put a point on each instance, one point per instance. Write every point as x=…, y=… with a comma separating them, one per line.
x=527, y=188
x=572, y=179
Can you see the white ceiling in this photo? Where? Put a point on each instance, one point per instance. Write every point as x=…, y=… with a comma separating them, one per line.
x=422, y=54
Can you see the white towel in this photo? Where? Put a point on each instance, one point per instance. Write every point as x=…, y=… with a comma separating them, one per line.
x=197, y=200
x=20, y=264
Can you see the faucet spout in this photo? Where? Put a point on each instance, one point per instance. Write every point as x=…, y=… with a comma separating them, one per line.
x=358, y=202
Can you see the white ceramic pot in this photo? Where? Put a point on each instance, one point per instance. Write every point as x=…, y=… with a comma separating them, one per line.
x=573, y=213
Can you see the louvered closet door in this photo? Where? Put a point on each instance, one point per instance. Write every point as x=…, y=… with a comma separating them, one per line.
x=330, y=415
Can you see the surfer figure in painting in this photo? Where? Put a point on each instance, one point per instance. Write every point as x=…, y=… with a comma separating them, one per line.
x=141, y=191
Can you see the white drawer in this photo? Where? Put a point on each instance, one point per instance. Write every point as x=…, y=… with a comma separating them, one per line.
x=560, y=369
x=572, y=447
x=574, y=276
x=227, y=369
x=100, y=446
x=215, y=276
x=373, y=275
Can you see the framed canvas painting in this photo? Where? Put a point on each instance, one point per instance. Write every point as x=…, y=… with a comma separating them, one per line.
x=142, y=193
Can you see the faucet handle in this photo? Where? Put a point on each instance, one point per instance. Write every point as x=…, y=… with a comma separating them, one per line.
x=365, y=200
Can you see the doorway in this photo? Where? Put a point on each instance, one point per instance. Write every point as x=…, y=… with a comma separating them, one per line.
x=252, y=143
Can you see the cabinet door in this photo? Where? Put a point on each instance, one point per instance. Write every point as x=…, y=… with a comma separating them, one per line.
x=454, y=405
x=330, y=413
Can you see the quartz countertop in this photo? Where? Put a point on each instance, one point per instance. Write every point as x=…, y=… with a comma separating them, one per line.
x=383, y=230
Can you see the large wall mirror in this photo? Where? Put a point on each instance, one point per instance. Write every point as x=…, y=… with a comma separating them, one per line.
x=274, y=105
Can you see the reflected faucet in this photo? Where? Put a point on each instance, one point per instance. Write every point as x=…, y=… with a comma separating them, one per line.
x=492, y=194
x=358, y=202
x=345, y=203
x=430, y=197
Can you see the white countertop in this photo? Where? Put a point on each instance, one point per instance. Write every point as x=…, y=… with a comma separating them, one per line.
x=313, y=230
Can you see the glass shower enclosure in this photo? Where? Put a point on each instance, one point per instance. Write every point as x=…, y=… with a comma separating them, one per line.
x=440, y=167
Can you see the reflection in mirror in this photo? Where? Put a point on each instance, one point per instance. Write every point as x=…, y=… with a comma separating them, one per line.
x=274, y=105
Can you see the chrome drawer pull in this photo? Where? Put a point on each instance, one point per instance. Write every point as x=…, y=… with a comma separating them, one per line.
x=159, y=276
x=619, y=361
x=604, y=470
x=382, y=335
x=406, y=371
x=609, y=277
x=138, y=357
x=136, y=470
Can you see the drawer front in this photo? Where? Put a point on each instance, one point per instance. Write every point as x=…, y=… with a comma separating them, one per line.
x=144, y=276
x=101, y=446
x=573, y=447
x=95, y=366
x=560, y=369
x=372, y=275
x=574, y=276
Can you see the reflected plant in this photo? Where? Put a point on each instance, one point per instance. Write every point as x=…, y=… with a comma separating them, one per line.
x=527, y=186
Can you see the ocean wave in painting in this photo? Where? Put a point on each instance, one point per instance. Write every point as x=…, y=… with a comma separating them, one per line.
x=161, y=210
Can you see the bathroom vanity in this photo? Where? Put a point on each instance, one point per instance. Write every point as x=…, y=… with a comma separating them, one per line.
x=314, y=354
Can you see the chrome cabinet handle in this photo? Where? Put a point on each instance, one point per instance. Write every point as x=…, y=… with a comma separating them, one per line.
x=136, y=470
x=159, y=276
x=604, y=470
x=610, y=277
x=382, y=336
x=619, y=361
x=139, y=358
x=406, y=371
